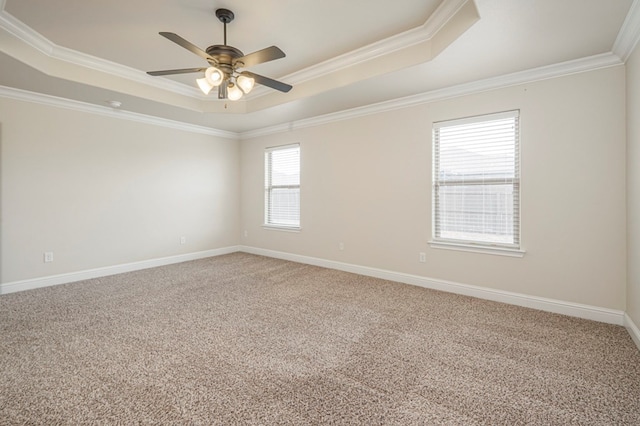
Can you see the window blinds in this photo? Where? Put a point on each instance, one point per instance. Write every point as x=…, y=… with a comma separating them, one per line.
x=476, y=180
x=282, y=186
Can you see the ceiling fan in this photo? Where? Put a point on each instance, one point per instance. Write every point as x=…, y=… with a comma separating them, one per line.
x=224, y=63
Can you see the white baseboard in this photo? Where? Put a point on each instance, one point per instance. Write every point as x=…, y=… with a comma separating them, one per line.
x=633, y=329
x=550, y=305
x=595, y=313
x=30, y=284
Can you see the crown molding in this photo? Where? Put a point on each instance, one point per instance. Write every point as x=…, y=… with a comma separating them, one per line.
x=552, y=71
x=37, y=41
x=627, y=39
x=604, y=60
x=445, y=11
x=443, y=14
x=54, y=101
x=629, y=34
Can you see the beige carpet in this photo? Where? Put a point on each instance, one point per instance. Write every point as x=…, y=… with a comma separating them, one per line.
x=243, y=339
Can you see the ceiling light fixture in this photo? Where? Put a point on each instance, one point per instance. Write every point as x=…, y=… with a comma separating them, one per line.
x=234, y=87
x=233, y=92
x=214, y=76
x=204, y=85
x=245, y=82
x=224, y=62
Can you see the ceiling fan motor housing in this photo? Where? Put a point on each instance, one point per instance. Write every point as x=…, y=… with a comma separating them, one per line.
x=226, y=57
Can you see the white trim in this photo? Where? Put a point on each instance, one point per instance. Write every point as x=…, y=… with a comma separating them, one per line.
x=54, y=101
x=543, y=73
x=25, y=33
x=472, y=248
x=553, y=71
x=445, y=11
x=34, y=283
x=633, y=329
x=562, y=69
x=443, y=14
x=594, y=313
x=270, y=227
x=36, y=40
x=628, y=37
x=629, y=34
x=514, y=113
x=279, y=147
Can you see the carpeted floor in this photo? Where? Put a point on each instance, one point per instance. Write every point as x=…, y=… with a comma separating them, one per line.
x=244, y=339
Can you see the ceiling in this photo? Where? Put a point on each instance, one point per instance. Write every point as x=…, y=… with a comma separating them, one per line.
x=341, y=55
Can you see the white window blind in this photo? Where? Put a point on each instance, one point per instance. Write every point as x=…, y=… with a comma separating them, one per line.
x=476, y=181
x=282, y=186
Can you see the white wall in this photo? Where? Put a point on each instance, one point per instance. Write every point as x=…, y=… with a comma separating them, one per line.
x=633, y=185
x=99, y=191
x=366, y=182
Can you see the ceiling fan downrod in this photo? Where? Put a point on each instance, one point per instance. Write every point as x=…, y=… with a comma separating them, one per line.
x=225, y=16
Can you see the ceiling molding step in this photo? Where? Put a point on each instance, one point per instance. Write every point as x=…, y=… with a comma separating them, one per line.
x=629, y=34
x=54, y=101
x=24, y=33
x=442, y=15
x=37, y=41
x=604, y=60
x=445, y=11
x=402, y=51
x=99, y=64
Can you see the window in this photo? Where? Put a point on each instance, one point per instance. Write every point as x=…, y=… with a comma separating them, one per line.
x=476, y=182
x=282, y=186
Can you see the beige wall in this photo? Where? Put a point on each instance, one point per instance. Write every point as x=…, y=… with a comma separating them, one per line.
x=366, y=182
x=633, y=185
x=100, y=191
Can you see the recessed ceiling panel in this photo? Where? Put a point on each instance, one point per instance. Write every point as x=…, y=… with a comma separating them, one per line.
x=126, y=32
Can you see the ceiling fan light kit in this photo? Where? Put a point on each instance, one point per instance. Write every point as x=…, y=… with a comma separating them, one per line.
x=233, y=92
x=204, y=85
x=224, y=63
x=214, y=76
x=245, y=82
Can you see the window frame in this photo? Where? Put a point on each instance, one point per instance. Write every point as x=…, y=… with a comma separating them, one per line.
x=507, y=249
x=269, y=187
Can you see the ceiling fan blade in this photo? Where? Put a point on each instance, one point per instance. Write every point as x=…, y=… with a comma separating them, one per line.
x=260, y=56
x=269, y=82
x=180, y=71
x=186, y=44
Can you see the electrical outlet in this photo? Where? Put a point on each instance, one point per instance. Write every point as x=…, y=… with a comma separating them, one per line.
x=183, y=240
x=341, y=246
x=48, y=256
x=246, y=233
x=422, y=257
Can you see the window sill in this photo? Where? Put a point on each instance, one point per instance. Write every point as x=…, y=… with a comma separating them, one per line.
x=281, y=228
x=499, y=251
